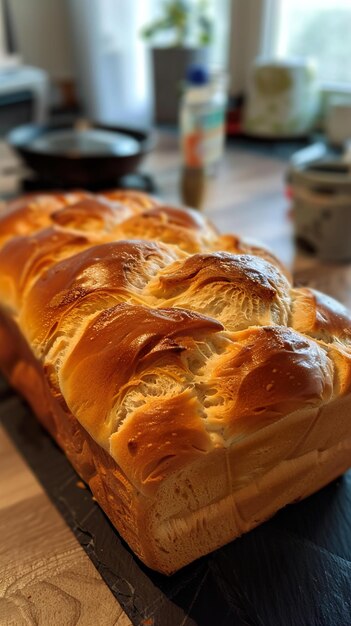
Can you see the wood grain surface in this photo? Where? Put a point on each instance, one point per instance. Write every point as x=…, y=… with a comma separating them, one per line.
x=46, y=577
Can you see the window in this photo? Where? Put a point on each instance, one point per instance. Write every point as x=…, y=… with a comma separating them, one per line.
x=318, y=29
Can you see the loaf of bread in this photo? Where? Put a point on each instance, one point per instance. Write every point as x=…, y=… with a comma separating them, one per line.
x=190, y=385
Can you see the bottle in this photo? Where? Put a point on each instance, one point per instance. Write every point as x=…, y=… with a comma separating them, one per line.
x=202, y=133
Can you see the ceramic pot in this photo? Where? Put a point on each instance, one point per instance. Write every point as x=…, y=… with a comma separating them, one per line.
x=321, y=196
x=169, y=72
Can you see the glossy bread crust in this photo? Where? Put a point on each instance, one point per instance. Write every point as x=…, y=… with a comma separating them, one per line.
x=191, y=385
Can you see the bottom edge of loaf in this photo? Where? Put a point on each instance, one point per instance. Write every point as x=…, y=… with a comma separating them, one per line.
x=184, y=539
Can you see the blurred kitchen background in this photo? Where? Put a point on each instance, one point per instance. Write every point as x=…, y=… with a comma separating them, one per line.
x=282, y=77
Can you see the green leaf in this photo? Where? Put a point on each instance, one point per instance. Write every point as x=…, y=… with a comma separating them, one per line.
x=180, y=16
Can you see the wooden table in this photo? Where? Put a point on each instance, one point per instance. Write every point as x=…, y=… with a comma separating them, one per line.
x=46, y=577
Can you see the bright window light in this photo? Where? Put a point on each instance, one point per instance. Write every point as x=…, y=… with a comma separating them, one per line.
x=318, y=29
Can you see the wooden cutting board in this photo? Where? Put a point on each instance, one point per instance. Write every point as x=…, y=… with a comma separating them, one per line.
x=293, y=570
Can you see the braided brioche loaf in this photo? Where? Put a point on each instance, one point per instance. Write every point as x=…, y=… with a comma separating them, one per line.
x=190, y=385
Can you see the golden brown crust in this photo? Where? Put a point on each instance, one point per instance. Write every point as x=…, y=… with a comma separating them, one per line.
x=33, y=212
x=89, y=214
x=102, y=275
x=183, y=218
x=119, y=345
x=239, y=290
x=160, y=439
x=320, y=316
x=172, y=225
x=236, y=245
x=184, y=377
x=243, y=271
x=267, y=373
x=137, y=201
x=329, y=322
x=23, y=259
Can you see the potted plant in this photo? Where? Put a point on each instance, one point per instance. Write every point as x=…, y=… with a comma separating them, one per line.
x=180, y=36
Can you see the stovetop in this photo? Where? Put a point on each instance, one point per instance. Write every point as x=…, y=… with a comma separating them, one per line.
x=16, y=179
x=137, y=180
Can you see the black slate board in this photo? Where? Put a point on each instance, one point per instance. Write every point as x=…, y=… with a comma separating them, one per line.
x=294, y=570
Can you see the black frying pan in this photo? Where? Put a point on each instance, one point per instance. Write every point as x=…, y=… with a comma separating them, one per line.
x=80, y=156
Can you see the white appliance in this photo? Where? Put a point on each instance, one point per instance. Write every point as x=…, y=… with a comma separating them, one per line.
x=111, y=61
x=23, y=89
x=283, y=98
x=23, y=84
